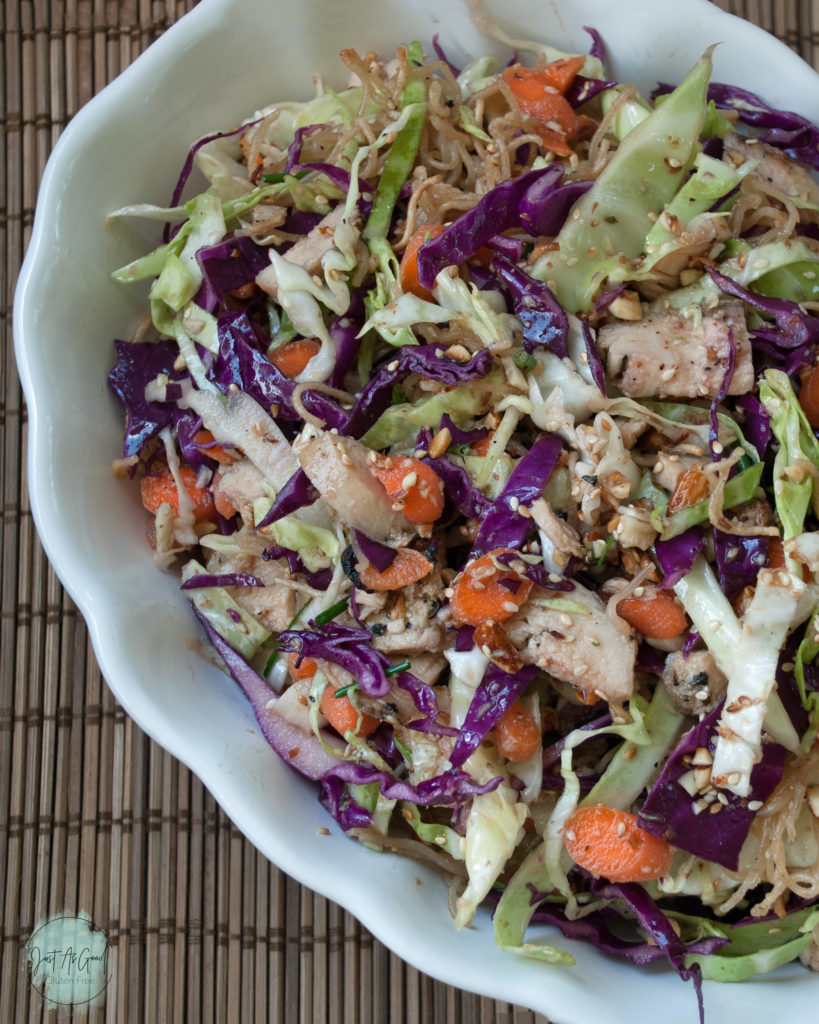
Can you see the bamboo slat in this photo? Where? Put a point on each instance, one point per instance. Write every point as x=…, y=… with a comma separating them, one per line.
x=94, y=816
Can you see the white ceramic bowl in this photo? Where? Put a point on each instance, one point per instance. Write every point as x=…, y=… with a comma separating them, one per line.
x=216, y=65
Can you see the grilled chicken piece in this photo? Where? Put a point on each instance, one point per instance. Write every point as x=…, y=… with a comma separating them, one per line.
x=582, y=648
x=670, y=356
x=415, y=622
x=775, y=168
x=308, y=251
x=338, y=468
x=274, y=604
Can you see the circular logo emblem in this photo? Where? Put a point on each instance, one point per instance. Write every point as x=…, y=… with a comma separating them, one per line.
x=68, y=960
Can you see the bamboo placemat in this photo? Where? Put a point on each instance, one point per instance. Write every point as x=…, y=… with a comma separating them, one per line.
x=94, y=816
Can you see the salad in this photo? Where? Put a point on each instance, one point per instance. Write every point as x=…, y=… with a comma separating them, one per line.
x=476, y=408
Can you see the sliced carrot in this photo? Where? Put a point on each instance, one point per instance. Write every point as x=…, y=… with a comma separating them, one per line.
x=408, y=566
x=776, y=557
x=414, y=485
x=292, y=357
x=690, y=489
x=408, y=269
x=159, y=489
x=204, y=440
x=482, y=447
x=809, y=397
x=657, y=616
x=611, y=844
x=517, y=734
x=539, y=95
x=306, y=669
x=343, y=717
x=484, y=591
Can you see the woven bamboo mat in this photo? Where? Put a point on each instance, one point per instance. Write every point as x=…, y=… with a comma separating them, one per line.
x=94, y=816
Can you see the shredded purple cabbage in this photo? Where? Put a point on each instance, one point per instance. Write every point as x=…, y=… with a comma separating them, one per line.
x=544, y=320
x=495, y=212
x=225, y=579
x=545, y=205
x=496, y=692
x=738, y=560
x=379, y=555
x=227, y=266
x=757, y=426
x=427, y=360
x=669, y=812
x=593, y=355
x=138, y=363
x=503, y=526
x=677, y=556
x=448, y=790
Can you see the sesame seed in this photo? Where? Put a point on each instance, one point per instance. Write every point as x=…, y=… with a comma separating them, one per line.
x=509, y=606
x=524, y=512
x=717, y=448
x=621, y=828
x=716, y=807
x=393, y=366
x=477, y=585
x=514, y=503
x=410, y=480
x=702, y=695
x=754, y=805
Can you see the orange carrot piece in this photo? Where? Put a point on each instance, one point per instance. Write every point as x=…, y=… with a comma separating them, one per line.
x=305, y=670
x=159, y=489
x=292, y=357
x=483, y=591
x=539, y=95
x=809, y=397
x=343, y=717
x=657, y=616
x=482, y=447
x=414, y=485
x=204, y=438
x=408, y=269
x=408, y=566
x=611, y=844
x=517, y=734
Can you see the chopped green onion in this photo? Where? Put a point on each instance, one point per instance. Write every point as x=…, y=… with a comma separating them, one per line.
x=525, y=360
x=461, y=449
x=279, y=177
x=332, y=612
x=601, y=558
x=342, y=691
x=394, y=670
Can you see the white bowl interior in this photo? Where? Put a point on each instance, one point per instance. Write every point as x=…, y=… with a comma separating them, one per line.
x=218, y=64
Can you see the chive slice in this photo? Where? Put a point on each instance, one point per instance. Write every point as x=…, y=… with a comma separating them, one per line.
x=279, y=177
x=394, y=670
x=525, y=360
x=334, y=610
x=342, y=691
